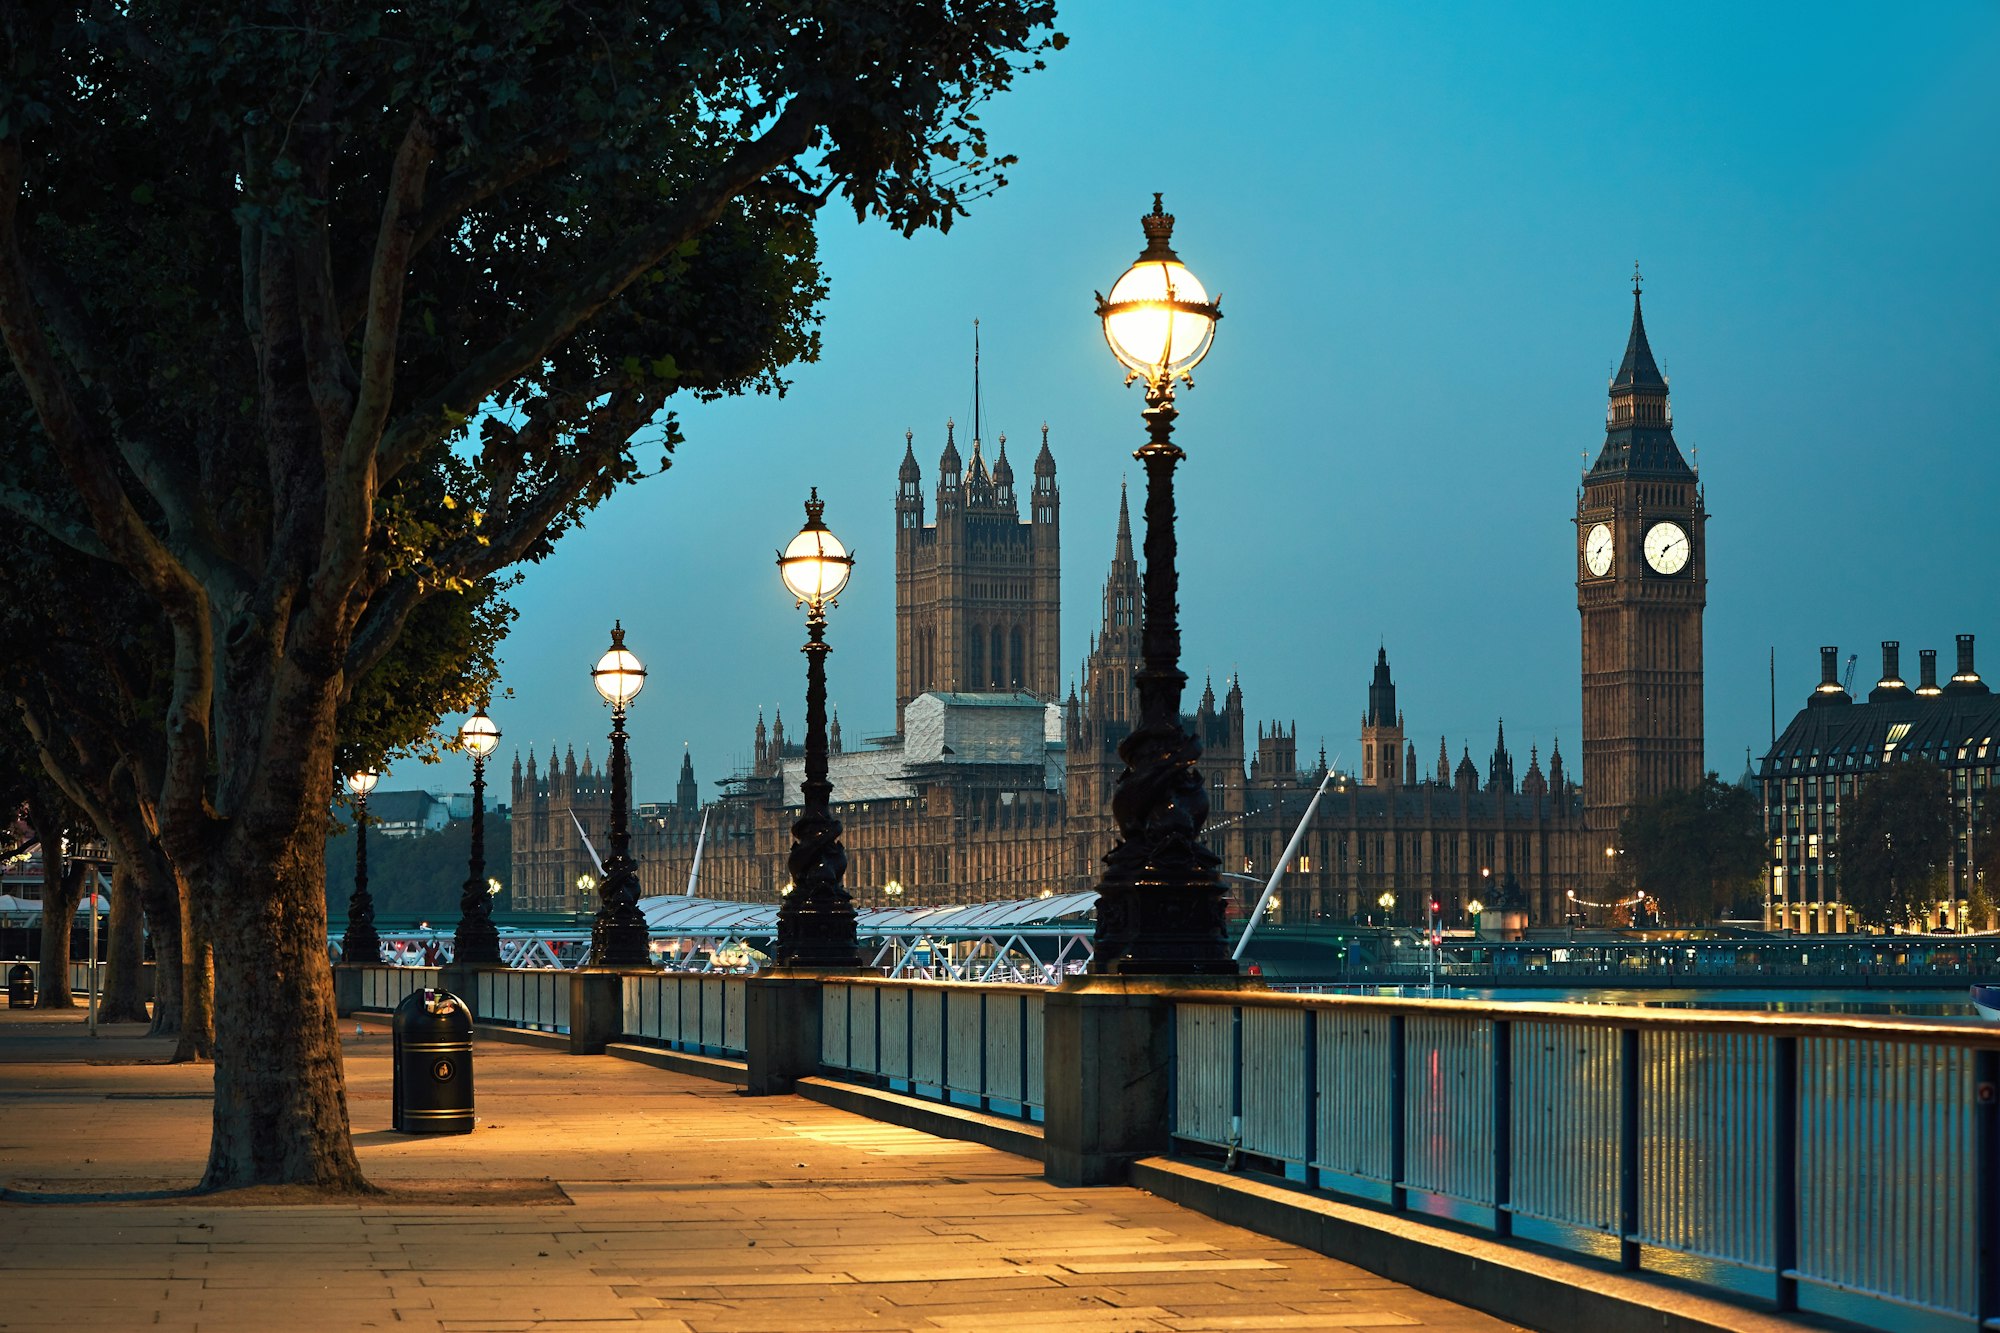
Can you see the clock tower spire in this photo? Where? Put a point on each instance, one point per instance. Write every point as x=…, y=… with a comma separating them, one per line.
x=1642, y=585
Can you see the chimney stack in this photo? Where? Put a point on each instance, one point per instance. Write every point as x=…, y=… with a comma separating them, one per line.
x=1891, y=685
x=1966, y=679
x=1829, y=690
x=1927, y=672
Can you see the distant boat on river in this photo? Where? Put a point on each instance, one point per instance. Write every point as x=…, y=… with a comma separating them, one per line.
x=1986, y=999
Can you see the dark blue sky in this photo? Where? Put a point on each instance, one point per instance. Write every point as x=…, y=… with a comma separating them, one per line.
x=1422, y=221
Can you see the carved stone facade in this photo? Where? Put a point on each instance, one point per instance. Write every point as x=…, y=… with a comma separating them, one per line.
x=978, y=591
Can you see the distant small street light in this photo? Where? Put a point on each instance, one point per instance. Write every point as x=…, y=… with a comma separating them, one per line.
x=477, y=940
x=618, y=934
x=816, y=918
x=361, y=944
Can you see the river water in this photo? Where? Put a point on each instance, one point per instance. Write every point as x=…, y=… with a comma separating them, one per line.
x=1929, y=1004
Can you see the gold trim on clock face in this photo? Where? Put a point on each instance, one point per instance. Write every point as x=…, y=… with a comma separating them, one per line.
x=1597, y=550
x=1667, y=548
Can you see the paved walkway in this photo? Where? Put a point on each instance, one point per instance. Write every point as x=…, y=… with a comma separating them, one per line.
x=690, y=1207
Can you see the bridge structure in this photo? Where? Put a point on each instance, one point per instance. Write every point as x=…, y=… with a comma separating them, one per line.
x=1044, y=940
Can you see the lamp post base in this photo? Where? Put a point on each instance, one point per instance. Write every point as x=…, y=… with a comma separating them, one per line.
x=616, y=943
x=1155, y=929
x=361, y=946
x=476, y=943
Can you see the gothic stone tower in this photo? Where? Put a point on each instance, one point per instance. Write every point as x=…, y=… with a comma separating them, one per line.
x=1641, y=585
x=978, y=591
x=1382, y=732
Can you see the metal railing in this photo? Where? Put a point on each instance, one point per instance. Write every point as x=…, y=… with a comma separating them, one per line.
x=535, y=999
x=703, y=1014
x=385, y=987
x=1821, y=1161
x=964, y=1043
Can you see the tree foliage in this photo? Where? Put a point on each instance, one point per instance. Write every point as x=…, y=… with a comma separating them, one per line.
x=1894, y=846
x=323, y=312
x=1699, y=851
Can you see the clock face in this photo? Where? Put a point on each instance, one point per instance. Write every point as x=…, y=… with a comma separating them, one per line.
x=1667, y=548
x=1597, y=550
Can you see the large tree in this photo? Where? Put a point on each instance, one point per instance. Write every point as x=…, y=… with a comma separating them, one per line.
x=1699, y=851
x=264, y=266
x=1894, y=846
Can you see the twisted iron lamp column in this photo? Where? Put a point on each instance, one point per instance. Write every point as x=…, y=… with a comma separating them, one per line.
x=816, y=919
x=1160, y=905
x=618, y=934
x=477, y=939
x=361, y=944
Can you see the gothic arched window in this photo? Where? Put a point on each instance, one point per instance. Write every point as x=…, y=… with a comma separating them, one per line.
x=1018, y=658
x=999, y=666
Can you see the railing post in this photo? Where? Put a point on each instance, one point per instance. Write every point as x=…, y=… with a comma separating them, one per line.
x=1026, y=1113
x=985, y=1044
x=1311, y=1063
x=1503, y=1126
x=1785, y=1171
x=1628, y=1149
x=1235, y=1084
x=1397, y=1082
x=1986, y=1166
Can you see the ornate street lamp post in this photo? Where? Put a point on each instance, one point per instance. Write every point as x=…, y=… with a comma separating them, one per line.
x=361, y=944
x=477, y=941
x=618, y=935
x=1160, y=904
x=816, y=919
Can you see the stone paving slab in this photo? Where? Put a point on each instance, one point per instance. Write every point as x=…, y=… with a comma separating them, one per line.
x=690, y=1209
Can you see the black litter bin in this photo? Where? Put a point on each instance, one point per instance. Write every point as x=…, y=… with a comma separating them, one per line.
x=21, y=987
x=431, y=1087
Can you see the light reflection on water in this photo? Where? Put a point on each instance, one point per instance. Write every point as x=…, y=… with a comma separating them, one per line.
x=1935, y=1005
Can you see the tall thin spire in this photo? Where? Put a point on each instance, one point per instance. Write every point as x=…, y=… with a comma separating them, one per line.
x=1123, y=551
x=1638, y=370
x=975, y=387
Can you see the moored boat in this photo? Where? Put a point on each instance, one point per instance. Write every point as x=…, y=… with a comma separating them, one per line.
x=1986, y=999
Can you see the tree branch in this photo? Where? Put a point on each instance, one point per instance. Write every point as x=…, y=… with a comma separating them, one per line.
x=90, y=468
x=351, y=483
x=524, y=350
x=79, y=537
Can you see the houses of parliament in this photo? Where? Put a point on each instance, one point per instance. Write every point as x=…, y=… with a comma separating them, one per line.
x=996, y=785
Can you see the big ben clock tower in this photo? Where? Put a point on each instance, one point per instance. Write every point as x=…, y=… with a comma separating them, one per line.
x=1641, y=585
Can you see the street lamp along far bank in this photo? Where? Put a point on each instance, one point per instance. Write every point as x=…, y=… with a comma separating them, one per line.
x=816, y=918
x=618, y=934
x=1160, y=904
x=361, y=943
x=476, y=942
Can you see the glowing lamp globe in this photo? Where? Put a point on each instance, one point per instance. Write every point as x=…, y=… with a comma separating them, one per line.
x=363, y=782
x=1158, y=320
x=618, y=675
x=815, y=567
x=479, y=735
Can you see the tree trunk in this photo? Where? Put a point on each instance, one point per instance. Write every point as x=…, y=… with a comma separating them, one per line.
x=61, y=891
x=159, y=894
x=197, y=1031
x=124, y=998
x=280, y=1096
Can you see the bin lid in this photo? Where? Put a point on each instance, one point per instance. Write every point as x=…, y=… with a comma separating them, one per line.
x=433, y=1011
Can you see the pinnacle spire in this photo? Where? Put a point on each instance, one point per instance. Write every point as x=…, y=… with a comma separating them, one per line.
x=1124, y=549
x=1638, y=370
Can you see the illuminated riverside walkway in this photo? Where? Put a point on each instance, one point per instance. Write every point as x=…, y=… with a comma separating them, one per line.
x=670, y=1203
